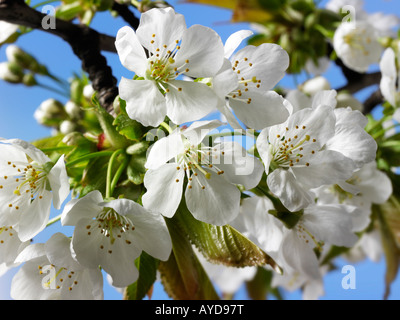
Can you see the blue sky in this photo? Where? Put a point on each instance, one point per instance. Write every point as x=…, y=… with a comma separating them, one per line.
x=18, y=103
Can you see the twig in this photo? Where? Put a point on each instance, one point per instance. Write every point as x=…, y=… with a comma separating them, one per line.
x=85, y=42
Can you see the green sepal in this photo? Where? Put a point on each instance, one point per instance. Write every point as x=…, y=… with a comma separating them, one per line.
x=147, y=267
x=183, y=276
x=222, y=244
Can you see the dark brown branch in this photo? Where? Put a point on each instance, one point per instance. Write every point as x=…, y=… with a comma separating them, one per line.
x=126, y=14
x=361, y=81
x=372, y=101
x=358, y=81
x=85, y=42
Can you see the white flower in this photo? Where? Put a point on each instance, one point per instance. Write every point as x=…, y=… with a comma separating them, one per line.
x=345, y=99
x=365, y=187
x=318, y=226
x=170, y=50
x=113, y=234
x=10, y=247
x=50, y=273
x=296, y=152
x=29, y=182
x=292, y=243
x=357, y=45
x=315, y=85
x=212, y=174
x=246, y=80
x=312, y=289
x=256, y=223
x=390, y=76
x=6, y=30
x=382, y=23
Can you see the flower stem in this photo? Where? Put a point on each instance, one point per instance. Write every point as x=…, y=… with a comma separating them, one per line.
x=54, y=220
x=109, y=185
x=117, y=175
x=166, y=126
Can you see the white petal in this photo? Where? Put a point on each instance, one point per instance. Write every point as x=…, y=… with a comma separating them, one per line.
x=203, y=48
x=238, y=166
x=331, y=224
x=218, y=203
x=191, y=102
x=58, y=251
x=165, y=24
x=260, y=224
x=59, y=183
x=268, y=63
x=225, y=81
x=319, y=124
x=33, y=152
x=234, y=41
x=144, y=102
x=85, y=207
x=164, y=150
x=264, y=110
x=35, y=220
x=298, y=100
x=374, y=184
x=283, y=184
x=151, y=233
x=299, y=256
x=325, y=167
x=130, y=51
x=96, y=249
x=263, y=148
x=353, y=142
x=198, y=130
x=163, y=192
x=325, y=97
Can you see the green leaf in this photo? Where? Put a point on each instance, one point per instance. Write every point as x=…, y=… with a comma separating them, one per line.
x=389, y=242
x=182, y=275
x=222, y=244
x=147, y=266
x=131, y=129
x=136, y=169
x=94, y=176
x=48, y=142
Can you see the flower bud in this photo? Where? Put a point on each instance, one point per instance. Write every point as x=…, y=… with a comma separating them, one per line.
x=315, y=85
x=73, y=110
x=147, y=5
x=67, y=127
x=88, y=92
x=345, y=100
x=24, y=59
x=10, y=73
x=50, y=113
x=29, y=80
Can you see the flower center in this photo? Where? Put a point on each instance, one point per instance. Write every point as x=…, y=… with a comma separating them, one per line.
x=244, y=84
x=308, y=238
x=162, y=67
x=289, y=149
x=195, y=159
x=111, y=225
x=27, y=180
x=55, y=278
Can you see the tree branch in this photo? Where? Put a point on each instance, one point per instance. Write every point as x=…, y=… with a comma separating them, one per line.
x=126, y=14
x=85, y=42
x=372, y=101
